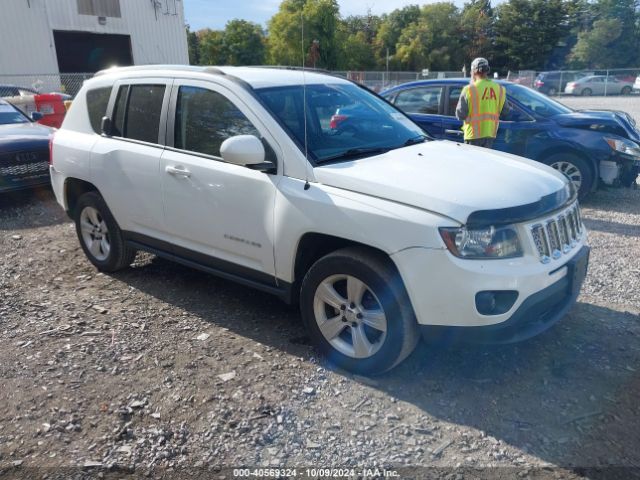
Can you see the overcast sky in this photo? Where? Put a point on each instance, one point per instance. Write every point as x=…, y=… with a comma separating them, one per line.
x=216, y=13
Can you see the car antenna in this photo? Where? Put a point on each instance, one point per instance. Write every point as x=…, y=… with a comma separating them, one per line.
x=304, y=106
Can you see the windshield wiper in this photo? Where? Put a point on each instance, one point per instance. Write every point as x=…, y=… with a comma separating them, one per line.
x=353, y=153
x=415, y=140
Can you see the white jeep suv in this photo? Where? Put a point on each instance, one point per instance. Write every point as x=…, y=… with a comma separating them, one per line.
x=312, y=188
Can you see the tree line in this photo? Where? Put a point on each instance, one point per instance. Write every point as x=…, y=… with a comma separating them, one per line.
x=516, y=35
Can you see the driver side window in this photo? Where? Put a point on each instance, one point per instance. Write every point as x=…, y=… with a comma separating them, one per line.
x=205, y=119
x=514, y=114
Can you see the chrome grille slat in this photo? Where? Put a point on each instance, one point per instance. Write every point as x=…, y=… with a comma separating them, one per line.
x=24, y=169
x=572, y=225
x=557, y=235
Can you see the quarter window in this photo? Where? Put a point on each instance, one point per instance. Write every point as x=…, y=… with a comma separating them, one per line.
x=424, y=100
x=6, y=91
x=205, y=119
x=137, y=112
x=97, y=101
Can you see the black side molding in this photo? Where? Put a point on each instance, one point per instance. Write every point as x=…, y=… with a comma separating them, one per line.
x=212, y=265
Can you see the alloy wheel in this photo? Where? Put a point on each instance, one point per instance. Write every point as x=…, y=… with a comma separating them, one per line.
x=95, y=233
x=350, y=316
x=570, y=171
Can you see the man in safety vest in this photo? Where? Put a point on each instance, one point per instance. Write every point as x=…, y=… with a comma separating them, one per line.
x=480, y=105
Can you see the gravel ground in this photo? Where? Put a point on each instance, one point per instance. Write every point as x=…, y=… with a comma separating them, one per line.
x=629, y=104
x=164, y=371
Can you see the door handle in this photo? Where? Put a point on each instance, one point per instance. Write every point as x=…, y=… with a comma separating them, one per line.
x=454, y=132
x=182, y=172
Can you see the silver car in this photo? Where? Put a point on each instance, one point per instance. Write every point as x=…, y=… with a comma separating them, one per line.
x=599, y=85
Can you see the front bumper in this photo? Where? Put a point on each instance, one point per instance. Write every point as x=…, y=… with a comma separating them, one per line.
x=23, y=183
x=535, y=315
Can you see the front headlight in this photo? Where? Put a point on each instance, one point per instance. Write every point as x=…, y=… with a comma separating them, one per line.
x=482, y=243
x=622, y=145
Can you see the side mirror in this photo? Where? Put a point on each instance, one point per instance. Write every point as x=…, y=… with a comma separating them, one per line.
x=242, y=150
x=37, y=116
x=106, y=127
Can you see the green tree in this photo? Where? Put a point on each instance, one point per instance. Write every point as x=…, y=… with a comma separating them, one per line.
x=321, y=20
x=477, y=30
x=244, y=42
x=393, y=25
x=389, y=31
x=434, y=41
x=596, y=47
x=213, y=50
x=356, y=53
x=528, y=31
x=194, y=47
x=612, y=41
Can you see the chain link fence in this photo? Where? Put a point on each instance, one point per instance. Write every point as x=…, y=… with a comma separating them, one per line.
x=580, y=82
x=68, y=83
x=381, y=80
x=558, y=82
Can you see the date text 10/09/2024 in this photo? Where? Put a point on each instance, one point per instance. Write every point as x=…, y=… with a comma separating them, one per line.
x=315, y=473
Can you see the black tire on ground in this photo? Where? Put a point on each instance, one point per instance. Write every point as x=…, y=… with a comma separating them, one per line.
x=383, y=280
x=586, y=92
x=552, y=91
x=120, y=254
x=586, y=173
x=626, y=90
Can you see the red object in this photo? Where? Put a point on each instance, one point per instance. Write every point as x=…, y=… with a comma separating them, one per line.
x=336, y=120
x=51, y=105
x=539, y=83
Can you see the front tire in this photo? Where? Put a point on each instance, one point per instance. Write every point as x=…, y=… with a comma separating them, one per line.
x=357, y=311
x=100, y=236
x=626, y=90
x=575, y=168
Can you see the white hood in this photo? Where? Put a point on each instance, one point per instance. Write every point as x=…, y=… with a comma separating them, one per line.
x=446, y=177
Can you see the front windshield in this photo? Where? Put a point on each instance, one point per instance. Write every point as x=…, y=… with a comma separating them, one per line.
x=537, y=102
x=343, y=120
x=9, y=115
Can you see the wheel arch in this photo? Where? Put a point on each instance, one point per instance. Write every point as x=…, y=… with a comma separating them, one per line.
x=574, y=151
x=74, y=188
x=314, y=245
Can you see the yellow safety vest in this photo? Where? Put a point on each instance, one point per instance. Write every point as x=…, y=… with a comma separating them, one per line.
x=485, y=99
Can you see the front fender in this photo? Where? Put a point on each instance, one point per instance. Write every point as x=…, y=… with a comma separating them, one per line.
x=385, y=225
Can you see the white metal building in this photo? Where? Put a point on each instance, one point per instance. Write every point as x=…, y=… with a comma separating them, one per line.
x=63, y=36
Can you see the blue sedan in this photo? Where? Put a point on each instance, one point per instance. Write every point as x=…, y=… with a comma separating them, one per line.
x=587, y=146
x=24, y=149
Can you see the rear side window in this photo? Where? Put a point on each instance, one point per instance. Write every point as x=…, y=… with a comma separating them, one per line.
x=425, y=100
x=454, y=96
x=205, y=119
x=97, y=101
x=137, y=112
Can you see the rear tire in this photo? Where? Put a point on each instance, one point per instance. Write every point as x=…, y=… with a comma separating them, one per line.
x=357, y=311
x=575, y=168
x=626, y=90
x=586, y=92
x=552, y=91
x=100, y=236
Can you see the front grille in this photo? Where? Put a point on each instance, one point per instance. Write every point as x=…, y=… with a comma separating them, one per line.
x=558, y=235
x=20, y=165
x=24, y=169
